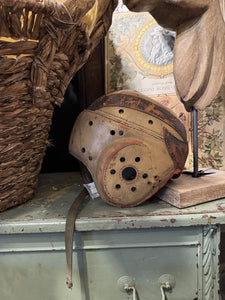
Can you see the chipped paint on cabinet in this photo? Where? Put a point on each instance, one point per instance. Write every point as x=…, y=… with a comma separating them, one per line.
x=142, y=243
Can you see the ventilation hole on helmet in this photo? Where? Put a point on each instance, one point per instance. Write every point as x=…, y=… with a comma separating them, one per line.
x=129, y=174
x=90, y=123
x=156, y=177
x=137, y=159
x=149, y=182
x=133, y=189
x=145, y=175
x=121, y=111
x=150, y=122
x=90, y=158
x=122, y=159
x=83, y=150
x=113, y=171
x=117, y=186
x=112, y=132
x=121, y=132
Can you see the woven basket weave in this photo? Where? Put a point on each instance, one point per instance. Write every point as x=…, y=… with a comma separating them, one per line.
x=42, y=45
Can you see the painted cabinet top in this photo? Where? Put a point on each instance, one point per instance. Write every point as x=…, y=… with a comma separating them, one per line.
x=47, y=211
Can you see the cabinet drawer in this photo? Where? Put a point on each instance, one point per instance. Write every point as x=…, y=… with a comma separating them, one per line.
x=143, y=255
x=35, y=264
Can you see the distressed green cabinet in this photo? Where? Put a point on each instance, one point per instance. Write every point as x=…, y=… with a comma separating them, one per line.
x=145, y=246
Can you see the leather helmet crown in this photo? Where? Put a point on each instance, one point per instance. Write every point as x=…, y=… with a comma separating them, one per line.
x=131, y=145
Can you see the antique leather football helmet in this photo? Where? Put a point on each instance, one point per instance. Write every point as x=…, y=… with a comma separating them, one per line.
x=131, y=145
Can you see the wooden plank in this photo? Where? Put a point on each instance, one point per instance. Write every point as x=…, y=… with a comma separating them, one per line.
x=187, y=191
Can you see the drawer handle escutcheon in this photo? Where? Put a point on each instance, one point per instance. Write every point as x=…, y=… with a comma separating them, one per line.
x=167, y=283
x=126, y=284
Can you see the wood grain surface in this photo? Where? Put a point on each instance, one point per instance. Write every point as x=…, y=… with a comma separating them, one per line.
x=186, y=190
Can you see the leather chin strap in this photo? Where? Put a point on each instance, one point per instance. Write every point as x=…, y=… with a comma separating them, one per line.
x=70, y=227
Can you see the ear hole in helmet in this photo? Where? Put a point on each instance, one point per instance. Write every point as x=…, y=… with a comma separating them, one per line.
x=137, y=159
x=121, y=132
x=112, y=132
x=129, y=174
x=90, y=123
x=150, y=122
x=83, y=149
x=133, y=189
x=117, y=186
x=121, y=111
x=122, y=159
x=145, y=175
x=113, y=171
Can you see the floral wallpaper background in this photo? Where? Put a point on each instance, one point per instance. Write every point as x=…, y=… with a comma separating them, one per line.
x=139, y=56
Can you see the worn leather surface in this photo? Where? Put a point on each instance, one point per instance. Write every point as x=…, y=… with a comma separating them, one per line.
x=131, y=145
x=69, y=232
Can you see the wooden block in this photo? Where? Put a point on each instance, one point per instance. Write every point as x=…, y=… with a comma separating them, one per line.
x=187, y=191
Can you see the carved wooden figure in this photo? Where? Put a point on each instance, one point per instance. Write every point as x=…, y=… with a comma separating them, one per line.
x=199, y=66
x=199, y=62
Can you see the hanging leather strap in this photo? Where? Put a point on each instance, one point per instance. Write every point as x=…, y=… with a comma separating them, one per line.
x=70, y=227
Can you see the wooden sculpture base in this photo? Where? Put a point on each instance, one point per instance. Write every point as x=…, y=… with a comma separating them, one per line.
x=187, y=191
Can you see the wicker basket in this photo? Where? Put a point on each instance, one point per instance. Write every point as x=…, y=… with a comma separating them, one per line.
x=42, y=45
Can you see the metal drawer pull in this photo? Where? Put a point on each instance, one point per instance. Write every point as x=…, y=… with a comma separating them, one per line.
x=167, y=283
x=163, y=288
x=126, y=284
x=132, y=288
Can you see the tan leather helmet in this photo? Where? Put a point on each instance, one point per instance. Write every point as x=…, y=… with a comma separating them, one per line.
x=131, y=144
